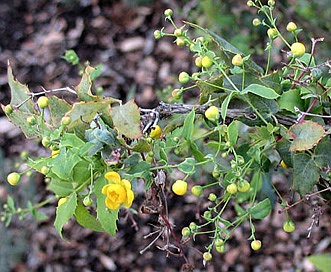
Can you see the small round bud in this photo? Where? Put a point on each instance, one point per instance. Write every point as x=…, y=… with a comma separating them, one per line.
x=207, y=256
x=13, y=178
x=237, y=60
x=179, y=187
x=157, y=34
x=156, y=132
x=178, y=32
x=272, y=33
x=256, y=244
x=243, y=186
x=31, y=120
x=66, y=120
x=87, y=201
x=43, y=102
x=212, y=197
x=183, y=77
x=250, y=3
x=8, y=109
x=232, y=188
x=298, y=49
x=291, y=27
x=219, y=242
x=46, y=141
x=180, y=41
x=198, y=61
x=186, y=232
x=256, y=22
x=207, y=62
x=44, y=170
x=271, y=3
x=197, y=190
x=168, y=12
x=220, y=249
x=289, y=226
x=207, y=215
x=176, y=93
x=212, y=114
x=193, y=226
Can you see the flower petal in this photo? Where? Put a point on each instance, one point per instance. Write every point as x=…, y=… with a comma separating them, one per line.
x=113, y=177
x=130, y=196
x=111, y=205
x=127, y=184
x=105, y=188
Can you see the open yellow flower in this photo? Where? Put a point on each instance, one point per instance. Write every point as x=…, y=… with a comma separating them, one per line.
x=118, y=191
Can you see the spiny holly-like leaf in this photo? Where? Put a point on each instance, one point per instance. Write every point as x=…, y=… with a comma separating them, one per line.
x=106, y=217
x=305, y=173
x=305, y=135
x=65, y=212
x=19, y=93
x=126, y=119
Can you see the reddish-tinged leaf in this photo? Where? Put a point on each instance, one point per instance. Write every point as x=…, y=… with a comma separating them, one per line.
x=305, y=135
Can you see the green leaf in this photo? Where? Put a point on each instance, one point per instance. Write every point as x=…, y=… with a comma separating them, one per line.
x=84, y=112
x=163, y=155
x=321, y=262
x=64, y=163
x=261, y=91
x=210, y=89
x=187, y=166
x=198, y=155
x=86, y=220
x=83, y=89
x=57, y=108
x=18, y=118
x=126, y=120
x=305, y=135
x=225, y=105
x=261, y=210
x=305, y=173
x=65, y=212
x=189, y=126
x=139, y=168
x=61, y=188
x=233, y=132
x=106, y=217
x=322, y=154
x=291, y=99
x=283, y=148
x=19, y=93
x=263, y=105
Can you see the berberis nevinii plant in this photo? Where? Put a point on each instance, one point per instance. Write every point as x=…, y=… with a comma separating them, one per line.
x=223, y=149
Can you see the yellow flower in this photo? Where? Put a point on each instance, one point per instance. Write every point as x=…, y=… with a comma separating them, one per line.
x=118, y=191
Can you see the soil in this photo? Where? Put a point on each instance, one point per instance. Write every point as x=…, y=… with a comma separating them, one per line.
x=119, y=35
